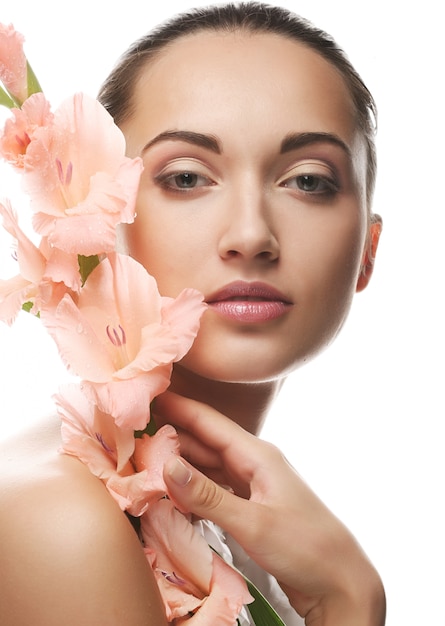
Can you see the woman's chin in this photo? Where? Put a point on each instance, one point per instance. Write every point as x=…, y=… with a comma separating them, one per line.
x=252, y=368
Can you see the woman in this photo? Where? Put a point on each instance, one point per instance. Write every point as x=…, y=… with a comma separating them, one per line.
x=256, y=136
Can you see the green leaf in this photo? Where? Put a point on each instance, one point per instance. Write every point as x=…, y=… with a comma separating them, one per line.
x=87, y=265
x=33, y=83
x=27, y=306
x=262, y=612
x=6, y=100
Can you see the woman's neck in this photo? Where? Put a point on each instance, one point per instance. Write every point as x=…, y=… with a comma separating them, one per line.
x=245, y=403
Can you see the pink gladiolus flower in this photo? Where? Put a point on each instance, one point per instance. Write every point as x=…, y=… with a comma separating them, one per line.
x=42, y=271
x=94, y=438
x=80, y=182
x=20, y=129
x=121, y=337
x=150, y=455
x=191, y=578
x=13, y=70
x=61, y=267
x=33, y=283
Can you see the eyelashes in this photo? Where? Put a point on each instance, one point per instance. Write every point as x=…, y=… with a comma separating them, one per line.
x=186, y=175
x=183, y=182
x=310, y=180
x=312, y=184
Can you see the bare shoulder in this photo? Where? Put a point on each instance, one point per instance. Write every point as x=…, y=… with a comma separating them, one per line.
x=68, y=554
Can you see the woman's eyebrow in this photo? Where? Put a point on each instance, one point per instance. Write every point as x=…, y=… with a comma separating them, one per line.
x=198, y=139
x=294, y=141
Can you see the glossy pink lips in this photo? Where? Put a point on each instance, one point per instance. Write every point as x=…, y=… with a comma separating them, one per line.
x=249, y=302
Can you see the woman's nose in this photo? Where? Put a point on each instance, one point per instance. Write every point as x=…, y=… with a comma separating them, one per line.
x=248, y=231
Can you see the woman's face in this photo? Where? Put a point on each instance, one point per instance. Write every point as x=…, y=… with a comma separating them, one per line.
x=253, y=192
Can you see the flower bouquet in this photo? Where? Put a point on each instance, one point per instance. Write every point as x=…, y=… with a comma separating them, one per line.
x=113, y=329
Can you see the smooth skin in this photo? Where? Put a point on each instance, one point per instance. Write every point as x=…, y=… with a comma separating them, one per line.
x=244, y=200
x=68, y=555
x=241, y=212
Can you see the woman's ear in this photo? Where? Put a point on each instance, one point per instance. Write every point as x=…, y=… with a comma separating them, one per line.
x=367, y=264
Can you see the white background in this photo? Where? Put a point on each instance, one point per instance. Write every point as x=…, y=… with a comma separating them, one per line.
x=362, y=423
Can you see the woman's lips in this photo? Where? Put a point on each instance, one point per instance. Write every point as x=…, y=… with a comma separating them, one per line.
x=249, y=302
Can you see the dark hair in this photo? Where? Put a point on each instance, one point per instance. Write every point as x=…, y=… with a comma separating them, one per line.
x=116, y=94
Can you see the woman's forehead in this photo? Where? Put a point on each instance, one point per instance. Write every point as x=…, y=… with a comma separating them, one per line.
x=250, y=92
x=239, y=52
x=251, y=65
x=243, y=81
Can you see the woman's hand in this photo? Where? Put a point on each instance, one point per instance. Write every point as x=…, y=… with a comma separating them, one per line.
x=272, y=514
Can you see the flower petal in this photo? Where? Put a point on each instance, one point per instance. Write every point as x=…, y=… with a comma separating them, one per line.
x=79, y=234
x=80, y=348
x=183, y=316
x=190, y=576
x=17, y=290
x=228, y=594
x=13, y=294
x=94, y=438
x=159, y=346
x=62, y=267
x=91, y=435
x=20, y=129
x=71, y=178
x=120, y=291
x=31, y=260
x=128, y=401
x=13, y=72
x=151, y=453
x=173, y=546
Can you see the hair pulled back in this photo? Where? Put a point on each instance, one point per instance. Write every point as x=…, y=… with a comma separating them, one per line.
x=116, y=93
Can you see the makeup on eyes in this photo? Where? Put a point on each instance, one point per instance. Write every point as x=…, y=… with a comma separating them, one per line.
x=312, y=178
x=188, y=155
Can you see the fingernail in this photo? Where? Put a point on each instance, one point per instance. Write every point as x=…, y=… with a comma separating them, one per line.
x=180, y=474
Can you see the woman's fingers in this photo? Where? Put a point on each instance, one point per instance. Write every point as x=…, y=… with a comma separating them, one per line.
x=226, y=452
x=211, y=427
x=250, y=523
x=211, y=433
x=194, y=492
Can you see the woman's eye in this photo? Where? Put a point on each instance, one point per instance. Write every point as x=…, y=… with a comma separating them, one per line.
x=312, y=184
x=183, y=181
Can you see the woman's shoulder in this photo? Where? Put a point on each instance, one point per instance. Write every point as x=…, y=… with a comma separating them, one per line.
x=69, y=555
x=35, y=477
